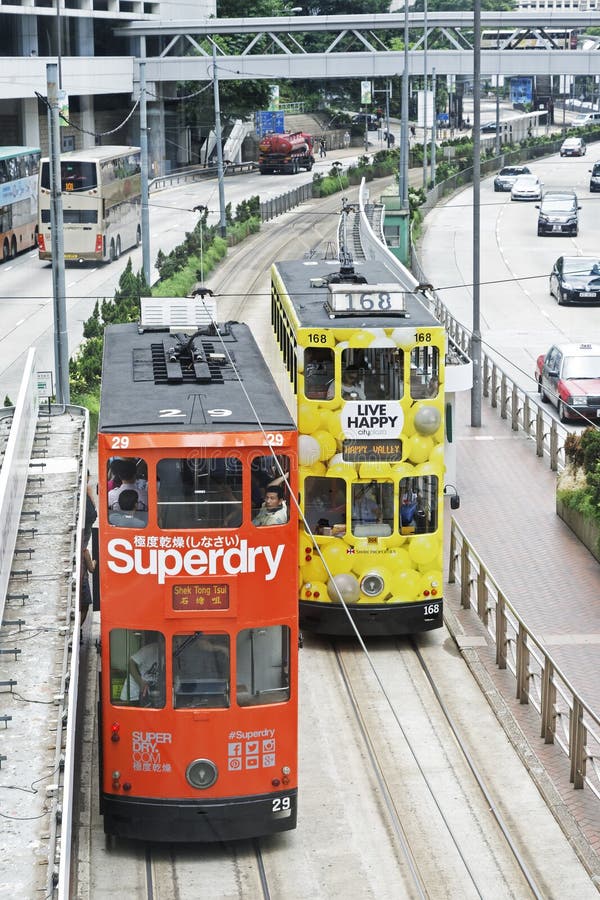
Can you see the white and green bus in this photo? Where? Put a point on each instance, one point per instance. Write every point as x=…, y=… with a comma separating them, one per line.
x=102, y=203
x=18, y=199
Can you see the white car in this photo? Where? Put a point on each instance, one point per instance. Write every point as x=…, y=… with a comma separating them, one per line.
x=573, y=147
x=526, y=187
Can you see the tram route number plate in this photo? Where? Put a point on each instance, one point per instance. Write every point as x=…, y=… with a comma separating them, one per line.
x=199, y=597
x=356, y=451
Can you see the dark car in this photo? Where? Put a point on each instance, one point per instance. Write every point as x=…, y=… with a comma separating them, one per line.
x=489, y=127
x=368, y=118
x=595, y=178
x=575, y=279
x=558, y=213
x=507, y=176
x=568, y=376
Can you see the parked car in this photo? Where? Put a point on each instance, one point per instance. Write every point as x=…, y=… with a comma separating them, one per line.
x=368, y=118
x=568, y=376
x=595, y=178
x=558, y=213
x=489, y=127
x=526, y=187
x=575, y=279
x=573, y=147
x=507, y=176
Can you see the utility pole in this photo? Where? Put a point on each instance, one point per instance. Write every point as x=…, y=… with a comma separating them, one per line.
x=433, y=128
x=223, y=221
x=61, y=335
x=144, y=164
x=425, y=96
x=476, y=338
x=403, y=162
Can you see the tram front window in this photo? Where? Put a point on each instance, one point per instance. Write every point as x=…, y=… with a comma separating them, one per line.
x=137, y=668
x=372, y=508
x=424, y=372
x=372, y=373
x=199, y=492
x=418, y=504
x=325, y=505
x=318, y=372
x=263, y=665
x=200, y=670
x=127, y=487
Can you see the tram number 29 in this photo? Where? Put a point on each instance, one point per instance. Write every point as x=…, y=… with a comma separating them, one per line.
x=274, y=439
x=282, y=805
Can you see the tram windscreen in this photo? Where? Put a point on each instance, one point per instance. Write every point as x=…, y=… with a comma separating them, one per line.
x=424, y=372
x=372, y=373
x=196, y=492
x=200, y=670
x=372, y=508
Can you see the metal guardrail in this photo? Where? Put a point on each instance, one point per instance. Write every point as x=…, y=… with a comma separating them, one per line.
x=565, y=719
x=199, y=173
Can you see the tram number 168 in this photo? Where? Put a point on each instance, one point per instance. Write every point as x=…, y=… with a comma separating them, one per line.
x=432, y=609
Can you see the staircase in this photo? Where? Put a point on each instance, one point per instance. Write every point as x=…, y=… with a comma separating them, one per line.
x=305, y=122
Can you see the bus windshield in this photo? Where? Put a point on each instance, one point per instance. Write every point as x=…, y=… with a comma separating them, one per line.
x=75, y=175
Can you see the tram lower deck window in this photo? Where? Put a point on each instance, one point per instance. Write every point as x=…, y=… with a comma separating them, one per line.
x=263, y=665
x=137, y=668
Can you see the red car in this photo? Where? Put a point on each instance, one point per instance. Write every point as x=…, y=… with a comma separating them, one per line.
x=568, y=376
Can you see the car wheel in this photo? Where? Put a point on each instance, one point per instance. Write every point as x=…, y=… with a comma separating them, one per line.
x=540, y=232
x=543, y=395
x=552, y=294
x=496, y=189
x=562, y=410
x=560, y=297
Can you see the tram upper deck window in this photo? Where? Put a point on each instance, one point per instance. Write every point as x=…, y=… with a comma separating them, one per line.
x=424, y=372
x=198, y=492
x=325, y=505
x=127, y=481
x=419, y=504
x=200, y=671
x=137, y=668
x=263, y=665
x=372, y=508
x=318, y=372
x=270, y=493
x=371, y=373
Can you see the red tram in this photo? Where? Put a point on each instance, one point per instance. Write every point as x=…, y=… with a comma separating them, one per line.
x=198, y=585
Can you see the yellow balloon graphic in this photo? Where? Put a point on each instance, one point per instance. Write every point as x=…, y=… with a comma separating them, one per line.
x=406, y=586
x=395, y=540
x=314, y=570
x=313, y=590
x=423, y=548
x=403, y=337
x=346, y=585
x=400, y=557
x=336, y=556
x=436, y=457
x=419, y=449
x=309, y=450
x=374, y=470
x=341, y=335
x=360, y=339
x=309, y=418
x=330, y=421
x=339, y=470
x=327, y=444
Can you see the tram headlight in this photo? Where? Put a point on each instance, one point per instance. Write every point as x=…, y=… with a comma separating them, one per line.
x=201, y=773
x=372, y=584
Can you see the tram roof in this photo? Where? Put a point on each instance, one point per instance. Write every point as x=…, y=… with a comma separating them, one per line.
x=309, y=302
x=140, y=381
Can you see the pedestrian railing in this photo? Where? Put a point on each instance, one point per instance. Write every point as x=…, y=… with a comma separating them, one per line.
x=565, y=719
x=197, y=173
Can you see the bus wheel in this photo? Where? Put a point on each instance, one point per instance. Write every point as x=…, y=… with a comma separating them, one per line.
x=5, y=251
x=112, y=251
x=13, y=247
x=118, y=248
x=138, y=236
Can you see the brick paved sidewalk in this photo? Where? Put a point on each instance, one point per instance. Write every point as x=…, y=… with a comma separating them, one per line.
x=508, y=513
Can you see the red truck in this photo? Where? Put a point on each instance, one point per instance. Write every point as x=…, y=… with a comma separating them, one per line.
x=285, y=153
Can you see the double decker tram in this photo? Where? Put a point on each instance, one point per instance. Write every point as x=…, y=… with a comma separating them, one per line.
x=366, y=365
x=198, y=585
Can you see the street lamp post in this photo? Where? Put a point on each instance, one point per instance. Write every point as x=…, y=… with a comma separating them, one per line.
x=203, y=210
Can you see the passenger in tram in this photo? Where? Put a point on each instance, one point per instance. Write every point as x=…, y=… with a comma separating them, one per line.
x=365, y=509
x=352, y=385
x=143, y=681
x=274, y=509
x=127, y=515
x=126, y=470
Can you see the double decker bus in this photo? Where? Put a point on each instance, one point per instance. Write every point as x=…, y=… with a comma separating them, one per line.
x=366, y=367
x=18, y=199
x=198, y=586
x=102, y=203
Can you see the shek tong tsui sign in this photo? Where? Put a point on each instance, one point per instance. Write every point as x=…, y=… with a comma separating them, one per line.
x=372, y=419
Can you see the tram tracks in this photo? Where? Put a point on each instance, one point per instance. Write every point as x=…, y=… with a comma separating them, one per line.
x=210, y=871
x=446, y=829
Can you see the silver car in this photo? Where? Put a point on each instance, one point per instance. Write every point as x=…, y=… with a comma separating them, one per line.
x=507, y=176
x=526, y=187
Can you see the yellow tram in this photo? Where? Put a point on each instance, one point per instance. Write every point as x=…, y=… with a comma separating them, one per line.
x=365, y=362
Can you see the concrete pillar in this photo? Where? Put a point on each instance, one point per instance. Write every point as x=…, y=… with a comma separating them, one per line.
x=27, y=35
x=84, y=30
x=30, y=123
x=156, y=139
